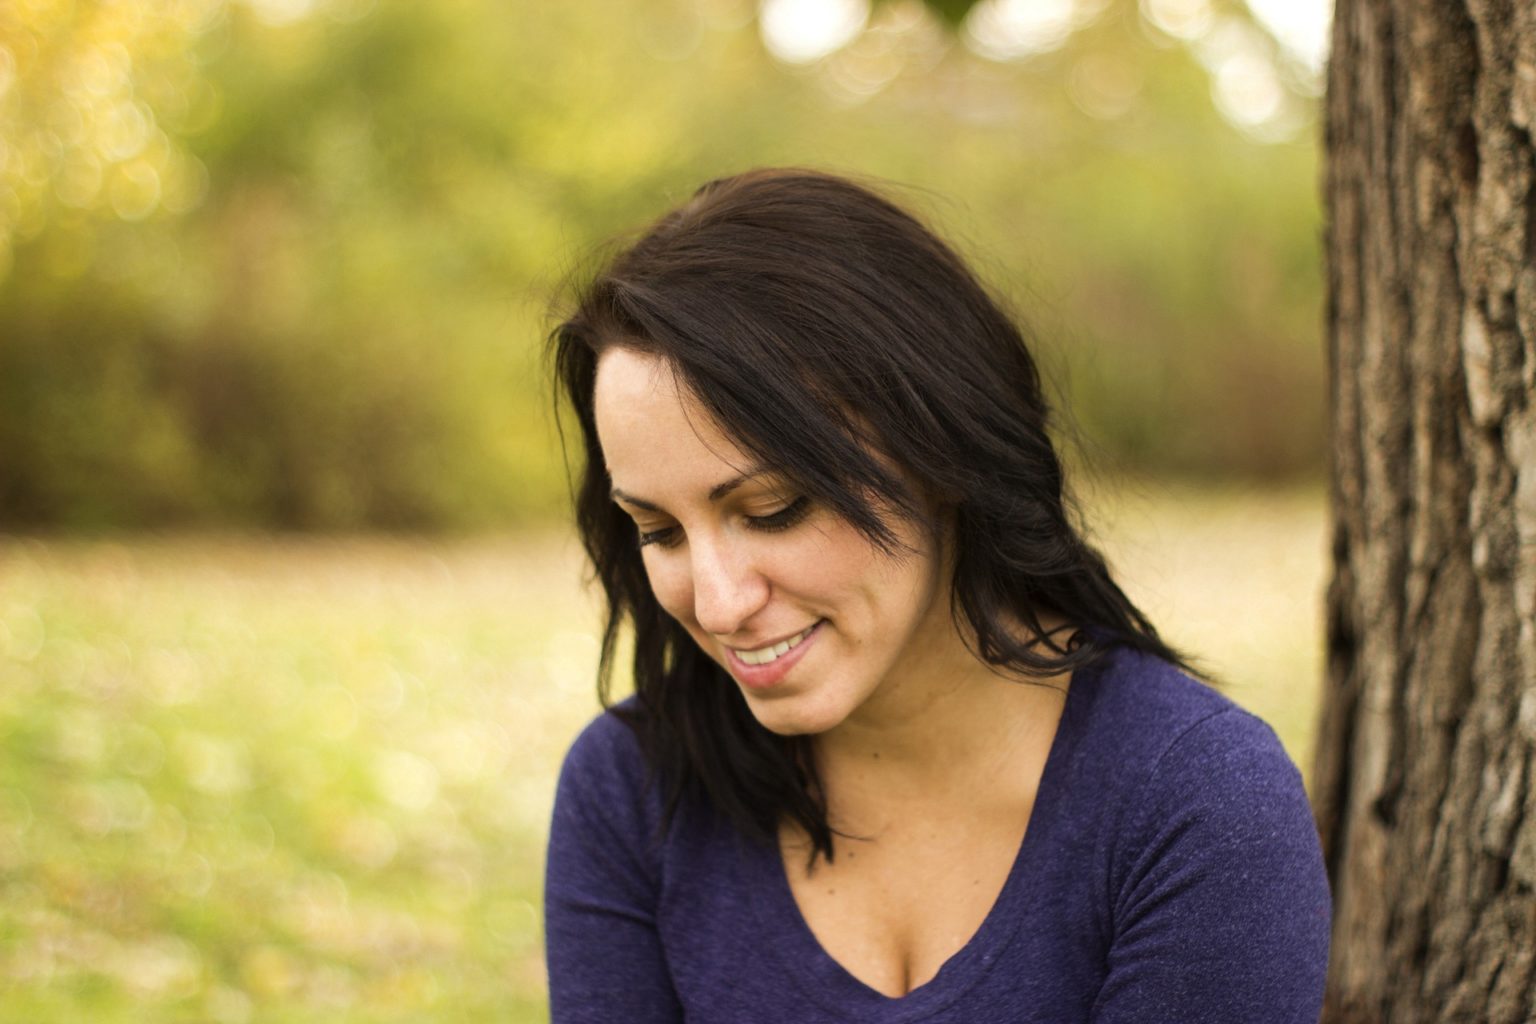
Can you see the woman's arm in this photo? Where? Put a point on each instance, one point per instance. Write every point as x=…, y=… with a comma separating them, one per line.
x=601, y=882
x=1221, y=906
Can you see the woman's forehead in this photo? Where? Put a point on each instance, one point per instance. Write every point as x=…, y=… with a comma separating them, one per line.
x=654, y=431
x=629, y=373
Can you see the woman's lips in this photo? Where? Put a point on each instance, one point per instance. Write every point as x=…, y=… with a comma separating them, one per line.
x=761, y=677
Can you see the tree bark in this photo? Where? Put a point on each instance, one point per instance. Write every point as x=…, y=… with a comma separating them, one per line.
x=1424, y=785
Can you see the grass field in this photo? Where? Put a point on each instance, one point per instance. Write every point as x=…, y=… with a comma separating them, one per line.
x=308, y=780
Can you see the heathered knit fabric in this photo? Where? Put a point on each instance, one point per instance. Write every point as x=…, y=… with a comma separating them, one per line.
x=1170, y=872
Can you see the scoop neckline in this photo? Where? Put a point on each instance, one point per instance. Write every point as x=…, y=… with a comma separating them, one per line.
x=799, y=955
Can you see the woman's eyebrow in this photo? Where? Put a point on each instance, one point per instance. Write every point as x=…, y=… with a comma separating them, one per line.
x=722, y=489
x=630, y=499
x=716, y=492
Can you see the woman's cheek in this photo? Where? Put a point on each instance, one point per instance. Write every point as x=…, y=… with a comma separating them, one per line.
x=672, y=587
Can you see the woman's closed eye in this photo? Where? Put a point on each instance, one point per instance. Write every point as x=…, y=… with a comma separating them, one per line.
x=781, y=519
x=666, y=536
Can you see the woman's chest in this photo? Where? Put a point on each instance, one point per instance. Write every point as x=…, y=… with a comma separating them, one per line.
x=741, y=948
x=892, y=908
x=943, y=913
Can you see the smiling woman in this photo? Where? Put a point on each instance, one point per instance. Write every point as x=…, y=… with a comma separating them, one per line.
x=897, y=734
x=794, y=603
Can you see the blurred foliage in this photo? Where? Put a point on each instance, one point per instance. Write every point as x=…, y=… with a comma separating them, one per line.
x=286, y=263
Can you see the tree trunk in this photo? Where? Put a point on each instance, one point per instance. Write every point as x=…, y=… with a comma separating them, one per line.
x=1424, y=783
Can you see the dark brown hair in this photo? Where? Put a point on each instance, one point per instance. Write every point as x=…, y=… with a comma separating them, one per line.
x=818, y=322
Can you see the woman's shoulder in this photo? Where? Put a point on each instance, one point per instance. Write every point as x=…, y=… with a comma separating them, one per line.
x=1193, y=846
x=1192, y=771
x=607, y=751
x=1165, y=752
x=1207, y=835
x=603, y=859
x=1146, y=710
x=604, y=774
x=607, y=803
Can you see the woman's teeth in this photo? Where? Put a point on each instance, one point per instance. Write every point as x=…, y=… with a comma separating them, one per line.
x=763, y=655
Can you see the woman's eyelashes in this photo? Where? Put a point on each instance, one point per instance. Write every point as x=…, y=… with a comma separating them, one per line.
x=666, y=536
x=782, y=519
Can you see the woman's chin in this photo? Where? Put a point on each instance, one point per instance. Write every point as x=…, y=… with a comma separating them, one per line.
x=793, y=717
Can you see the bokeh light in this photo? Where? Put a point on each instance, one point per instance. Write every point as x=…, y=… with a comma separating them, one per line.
x=802, y=31
x=1301, y=25
x=1245, y=81
x=1182, y=19
x=78, y=126
x=1012, y=29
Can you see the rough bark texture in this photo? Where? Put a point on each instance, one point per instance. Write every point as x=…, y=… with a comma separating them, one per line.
x=1424, y=781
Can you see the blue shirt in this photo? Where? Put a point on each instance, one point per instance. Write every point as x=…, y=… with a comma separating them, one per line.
x=1170, y=872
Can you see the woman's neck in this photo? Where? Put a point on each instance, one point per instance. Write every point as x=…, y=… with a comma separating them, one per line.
x=935, y=733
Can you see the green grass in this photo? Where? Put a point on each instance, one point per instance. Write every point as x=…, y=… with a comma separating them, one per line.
x=303, y=780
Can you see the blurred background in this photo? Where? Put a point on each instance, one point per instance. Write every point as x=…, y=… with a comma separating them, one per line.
x=292, y=632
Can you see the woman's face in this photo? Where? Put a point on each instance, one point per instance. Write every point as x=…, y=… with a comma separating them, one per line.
x=816, y=625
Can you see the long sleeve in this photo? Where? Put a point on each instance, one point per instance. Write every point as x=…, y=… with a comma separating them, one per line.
x=1220, y=902
x=601, y=888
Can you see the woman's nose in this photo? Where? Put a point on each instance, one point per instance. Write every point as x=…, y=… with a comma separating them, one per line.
x=727, y=587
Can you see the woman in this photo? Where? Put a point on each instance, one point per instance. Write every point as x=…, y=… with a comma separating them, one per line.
x=900, y=749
